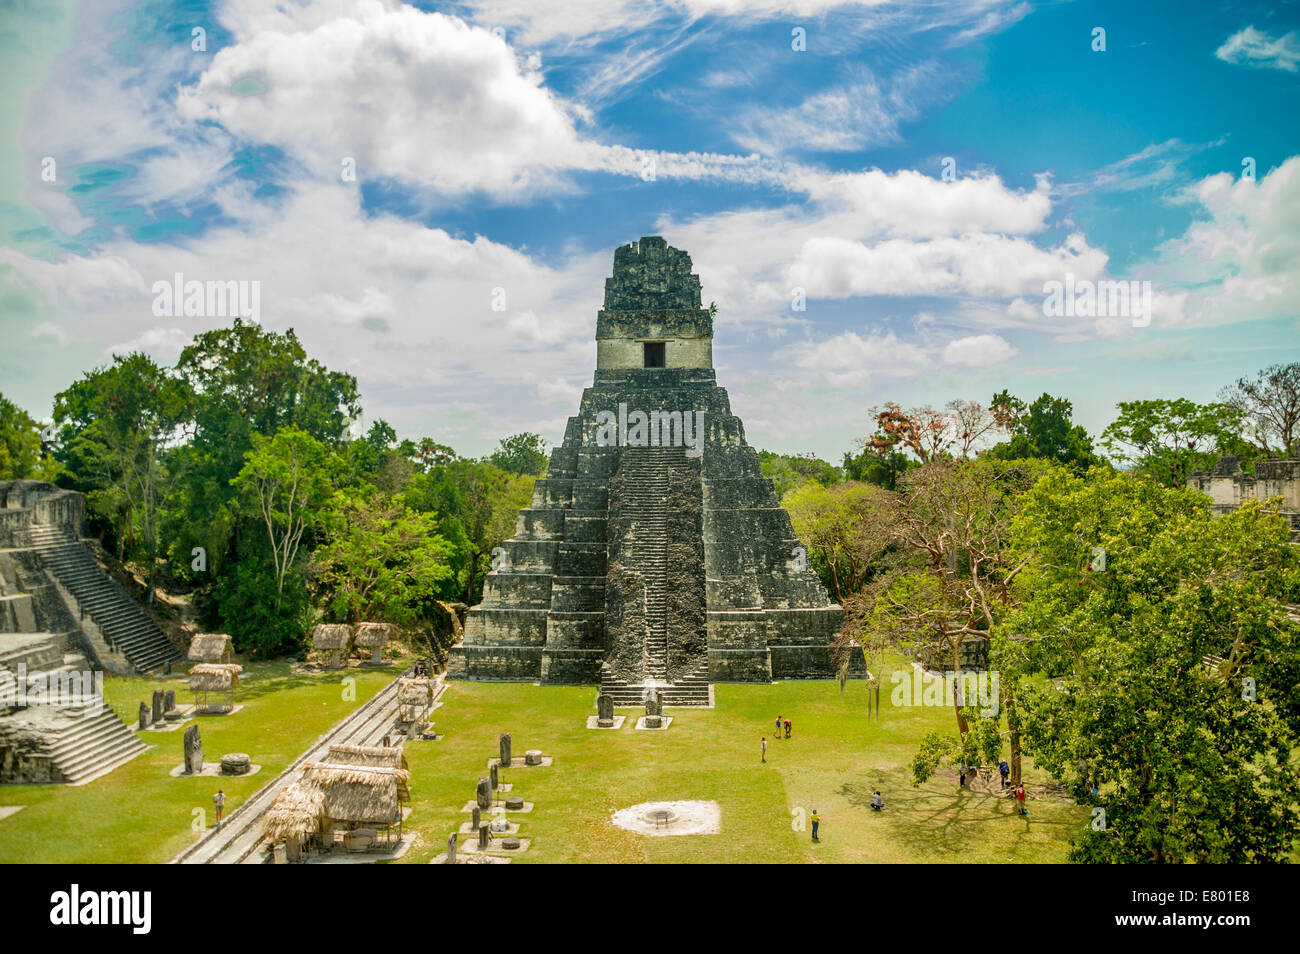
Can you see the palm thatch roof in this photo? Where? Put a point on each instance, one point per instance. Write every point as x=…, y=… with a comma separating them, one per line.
x=414, y=692
x=360, y=793
x=297, y=810
x=331, y=636
x=211, y=648
x=214, y=677
x=372, y=635
x=376, y=756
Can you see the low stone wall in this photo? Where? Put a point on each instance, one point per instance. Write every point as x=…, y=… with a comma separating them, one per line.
x=740, y=665
x=571, y=666
x=812, y=662
x=496, y=663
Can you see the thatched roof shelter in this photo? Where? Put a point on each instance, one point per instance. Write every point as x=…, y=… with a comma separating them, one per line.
x=211, y=648
x=372, y=635
x=360, y=794
x=414, y=692
x=296, y=811
x=220, y=678
x=214, y=677
x=327, y=636
x=414, y=697
x=376, y=756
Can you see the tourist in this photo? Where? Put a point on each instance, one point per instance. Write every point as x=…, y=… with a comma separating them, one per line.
x=961, y=771
x=1005, y=771
x=763, y=748
x=1020, y=798
x=778, y=727
x=219, y=802
x=787, y=728
x=816, y=820
x=877, y=803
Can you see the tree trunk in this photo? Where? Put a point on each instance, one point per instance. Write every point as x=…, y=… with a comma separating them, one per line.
x=469, y=577
x=962, y=726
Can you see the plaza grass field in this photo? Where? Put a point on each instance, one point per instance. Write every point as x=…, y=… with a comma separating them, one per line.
x=138, y=813
x=835, y=760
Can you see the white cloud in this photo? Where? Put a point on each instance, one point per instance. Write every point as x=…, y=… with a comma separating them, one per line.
x=844, y=118
x=164, y=344
x=1241, y=261
x=49, y=329
x=1251, y=47
x=848, y=360
x=407, y=94
x=978, y=351
x=978, y=265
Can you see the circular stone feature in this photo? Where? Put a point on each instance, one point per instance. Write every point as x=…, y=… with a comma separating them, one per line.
x=500, y=824
x=510, y=844
x=514, y=803
x=236, y=763
x=533, y=757
x=660, y=817
x=670, y=818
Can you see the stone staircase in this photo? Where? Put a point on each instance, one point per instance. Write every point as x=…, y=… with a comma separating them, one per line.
x=690, y=690
x=644, y=496
x=91, y=743
x=125, y=626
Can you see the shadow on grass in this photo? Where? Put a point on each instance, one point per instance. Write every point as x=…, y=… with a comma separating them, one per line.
x=940, y=817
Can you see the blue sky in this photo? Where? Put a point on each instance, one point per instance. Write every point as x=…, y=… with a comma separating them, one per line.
x=502, y=148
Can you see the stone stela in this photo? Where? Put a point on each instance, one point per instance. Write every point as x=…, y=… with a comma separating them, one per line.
x=604, y=710
x=672, y=565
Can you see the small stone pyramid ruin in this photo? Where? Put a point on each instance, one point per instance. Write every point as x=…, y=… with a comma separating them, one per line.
x=655, y=552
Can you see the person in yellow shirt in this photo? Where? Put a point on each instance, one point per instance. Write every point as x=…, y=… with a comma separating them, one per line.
x=816, y=820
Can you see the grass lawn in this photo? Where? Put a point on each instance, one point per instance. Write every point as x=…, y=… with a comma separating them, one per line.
x=138, y=813
x=835, y=760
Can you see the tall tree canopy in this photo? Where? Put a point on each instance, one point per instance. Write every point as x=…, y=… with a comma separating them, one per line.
x=118, y=428
x=521, y=454
x=1172, y=666
x=845, y=529
x=1042, y=430
x=1269, y=408
x=21, y=457
x=1168, y=439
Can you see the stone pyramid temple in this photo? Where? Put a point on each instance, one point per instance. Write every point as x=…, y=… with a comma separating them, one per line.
x=655, y=552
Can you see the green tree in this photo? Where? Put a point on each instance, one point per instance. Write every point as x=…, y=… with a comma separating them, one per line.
x=286, y=482
x=787, y=471
x=1171, y=658
x=118, y=427
x=20, y=446
x=1168, y=439
x=845, y=528
x=521, y=454
x=245, y=382
x=1043, y=430
x=477, y=504
x=380, y=560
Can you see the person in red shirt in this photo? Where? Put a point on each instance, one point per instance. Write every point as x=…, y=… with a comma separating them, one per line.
x=1020, y=799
